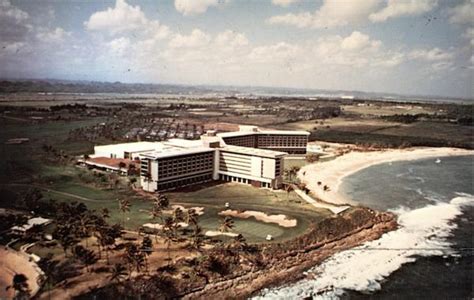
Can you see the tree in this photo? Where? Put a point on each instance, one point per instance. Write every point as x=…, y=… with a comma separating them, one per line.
x=169, y=234
x=226, y=224
x=124, y=206
x=49, y=268
x=191, y=217
x=178, y=215
x=105, y=213
x=118, y=272
x=197, y=238
x=147, y=249
x=20, y=285
x=134, y=257
x=122, y=165
x=86, y=256
x=32, y=198
x=64, y=234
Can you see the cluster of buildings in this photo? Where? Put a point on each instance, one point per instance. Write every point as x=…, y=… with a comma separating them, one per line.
x=250, y=155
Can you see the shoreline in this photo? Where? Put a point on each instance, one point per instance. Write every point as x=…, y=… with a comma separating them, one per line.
x=291, y=266
x=332, y=173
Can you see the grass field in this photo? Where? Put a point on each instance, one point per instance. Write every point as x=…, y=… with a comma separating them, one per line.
x=26, y=165
x=244, y=197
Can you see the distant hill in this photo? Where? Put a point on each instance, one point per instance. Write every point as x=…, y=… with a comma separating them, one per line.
x=66, y=86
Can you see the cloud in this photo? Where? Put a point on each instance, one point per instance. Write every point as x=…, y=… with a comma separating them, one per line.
x=55, y=35
x=13, y=22
x=284, y=3
x=125, y=18
x=462, y=13
x=330, y=14
x=469, y=35
x=397, y=8
x=437, y=58
x=231, y=38
x=194, y=7
x=197, y=38
x=119, y=46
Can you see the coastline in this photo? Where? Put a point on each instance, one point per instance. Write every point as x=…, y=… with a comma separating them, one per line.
x=291, y=266
x=332, y=173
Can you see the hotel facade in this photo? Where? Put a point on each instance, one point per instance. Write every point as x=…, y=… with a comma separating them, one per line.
x=248, y=156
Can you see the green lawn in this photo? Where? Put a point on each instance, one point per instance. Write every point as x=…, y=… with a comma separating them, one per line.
x=245, y=197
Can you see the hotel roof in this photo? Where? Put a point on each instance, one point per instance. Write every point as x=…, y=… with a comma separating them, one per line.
x=171, y=151
x=253, y=151
x=260, y=132
x=131, y=147
x=182, y=143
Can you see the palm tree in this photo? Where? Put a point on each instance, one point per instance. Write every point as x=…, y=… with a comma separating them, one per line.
x=105, y=213
x=191, y=217
x=118, y=272
x=197, y=238
x=124, y=206
x=169, y=234
x=134, y=257
x=50, y=270
x=87, y=257
x=85, y=224
x=227, y=224
x=147, y=249
x=178, y=215
x=20, y=285
x=64, y=234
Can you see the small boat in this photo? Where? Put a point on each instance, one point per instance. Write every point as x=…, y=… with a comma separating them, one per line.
x=438, y=161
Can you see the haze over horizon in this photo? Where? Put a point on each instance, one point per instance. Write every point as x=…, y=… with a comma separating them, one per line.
x=419, y=47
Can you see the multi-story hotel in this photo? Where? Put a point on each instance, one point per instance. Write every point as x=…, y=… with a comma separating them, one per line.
x=292, y=142
x=249, y=156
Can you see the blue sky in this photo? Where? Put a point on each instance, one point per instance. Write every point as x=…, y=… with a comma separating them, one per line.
x=400, y=46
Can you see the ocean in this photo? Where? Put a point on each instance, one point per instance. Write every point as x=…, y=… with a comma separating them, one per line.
x=428, y=257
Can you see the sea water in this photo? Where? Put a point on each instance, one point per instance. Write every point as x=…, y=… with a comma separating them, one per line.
x=428, y=257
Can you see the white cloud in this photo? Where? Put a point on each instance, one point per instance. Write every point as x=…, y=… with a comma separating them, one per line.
x=119, y=46
x=231, y=39
x=358, y=40
x=197, y=38
x=434, y=54
x=125, y=18
x=330, y=14
x=121, y=18
x=14, y=24
x=52, y=36
x=398, y=8
x=462, y=13
x=284, y=3
x=194, y=7
x=469, y=35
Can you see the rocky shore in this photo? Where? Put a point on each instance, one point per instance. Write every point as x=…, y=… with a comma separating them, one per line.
x=290, y=267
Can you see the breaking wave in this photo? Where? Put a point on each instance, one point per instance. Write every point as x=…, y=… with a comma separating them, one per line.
x=422, y=232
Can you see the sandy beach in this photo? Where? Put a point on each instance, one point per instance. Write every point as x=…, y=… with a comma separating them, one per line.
x=12, y=262
x=331, y=173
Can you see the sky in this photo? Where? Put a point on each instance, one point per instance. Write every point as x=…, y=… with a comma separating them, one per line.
x=422, y=47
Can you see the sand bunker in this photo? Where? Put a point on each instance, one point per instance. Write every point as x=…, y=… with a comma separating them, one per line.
x=12, y=262
x=159, y=226
x=281, y=220
x=213, y=233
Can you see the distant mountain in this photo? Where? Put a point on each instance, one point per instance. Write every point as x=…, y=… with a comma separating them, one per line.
x=67, y=86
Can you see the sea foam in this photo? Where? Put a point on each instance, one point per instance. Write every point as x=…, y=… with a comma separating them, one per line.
x=422, y=232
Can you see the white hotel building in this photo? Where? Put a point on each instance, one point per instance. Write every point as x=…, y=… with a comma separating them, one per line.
x=249, y=156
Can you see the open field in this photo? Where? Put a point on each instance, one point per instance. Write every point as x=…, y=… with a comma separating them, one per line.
x=244, y=197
